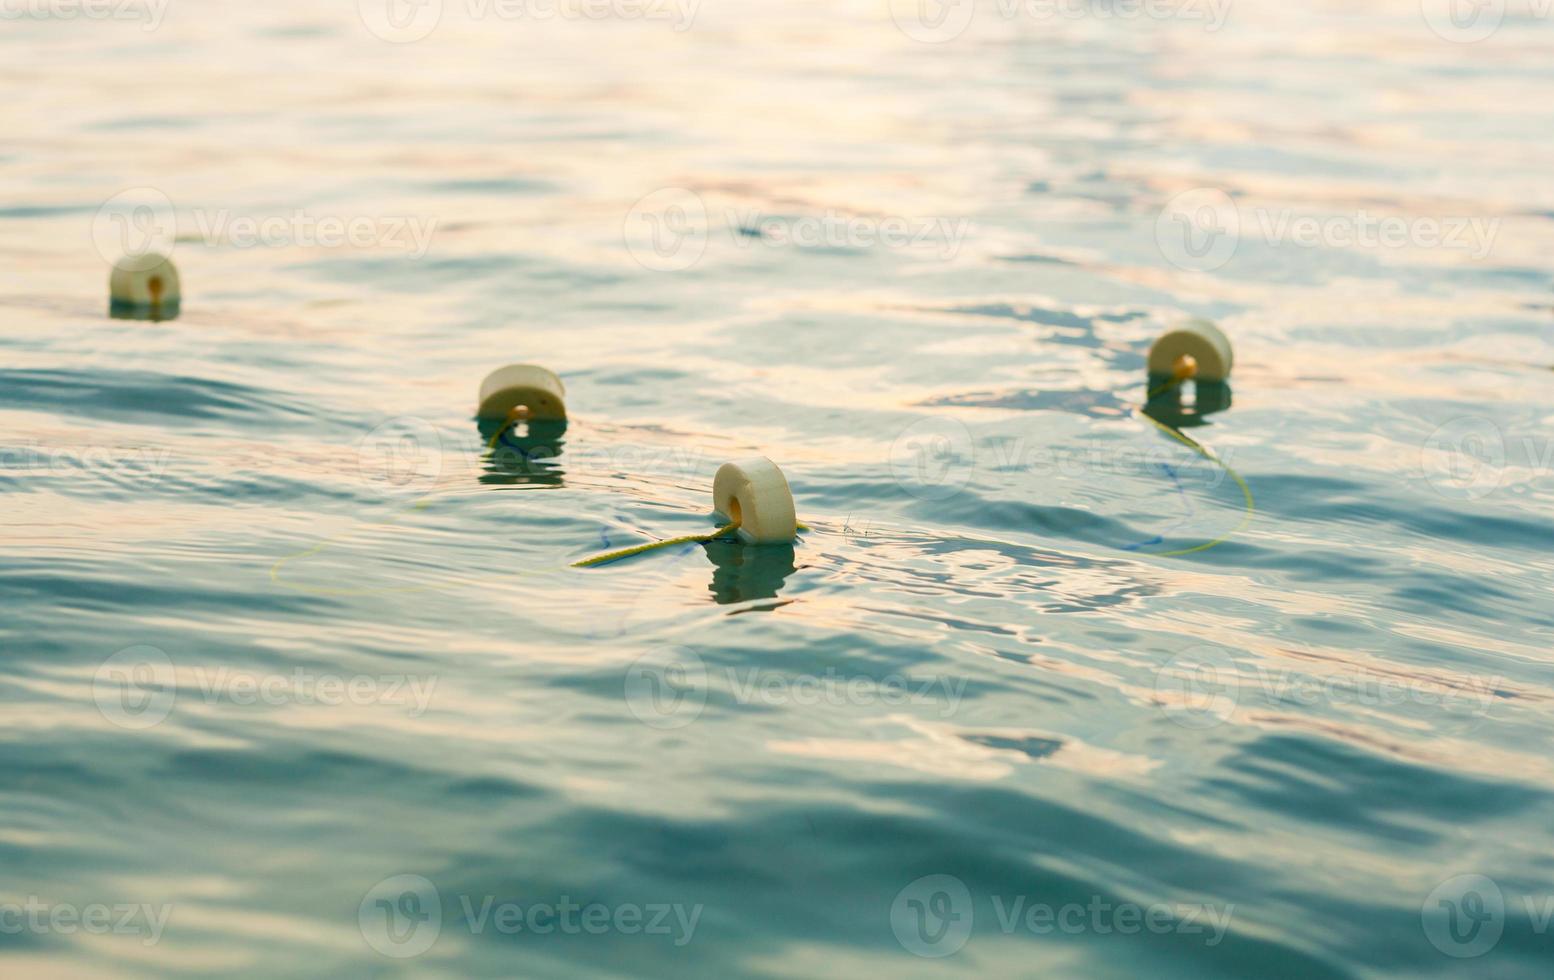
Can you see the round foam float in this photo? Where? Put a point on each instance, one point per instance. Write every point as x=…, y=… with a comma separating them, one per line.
x=754, y=493
x=528, y=385
x=149, y=281
x=1201, y=340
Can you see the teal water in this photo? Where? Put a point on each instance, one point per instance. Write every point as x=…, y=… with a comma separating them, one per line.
x=298, y=683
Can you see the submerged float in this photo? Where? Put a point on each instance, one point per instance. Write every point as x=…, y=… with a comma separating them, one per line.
x=144, y=287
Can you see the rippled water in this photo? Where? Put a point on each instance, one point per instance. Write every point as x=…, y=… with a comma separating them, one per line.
x=299, y=684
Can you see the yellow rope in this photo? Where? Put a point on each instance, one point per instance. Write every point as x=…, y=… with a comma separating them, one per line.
x=514, y=415
x=1186, y=368
x=610, y=556
x=606, y=558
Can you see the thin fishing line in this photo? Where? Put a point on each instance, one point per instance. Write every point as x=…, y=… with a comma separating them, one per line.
x=1181, y=375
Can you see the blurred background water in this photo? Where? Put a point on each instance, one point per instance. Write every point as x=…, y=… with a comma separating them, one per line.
x=296, y=680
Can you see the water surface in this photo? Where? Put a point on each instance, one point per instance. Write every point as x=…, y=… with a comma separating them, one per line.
x=293, y=659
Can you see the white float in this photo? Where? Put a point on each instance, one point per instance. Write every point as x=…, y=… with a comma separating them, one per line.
x=1200, y=340
x=528, y=385
x=149, y=280
x=754, y=493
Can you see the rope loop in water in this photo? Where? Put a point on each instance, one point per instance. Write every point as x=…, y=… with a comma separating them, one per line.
x=1185, y=369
